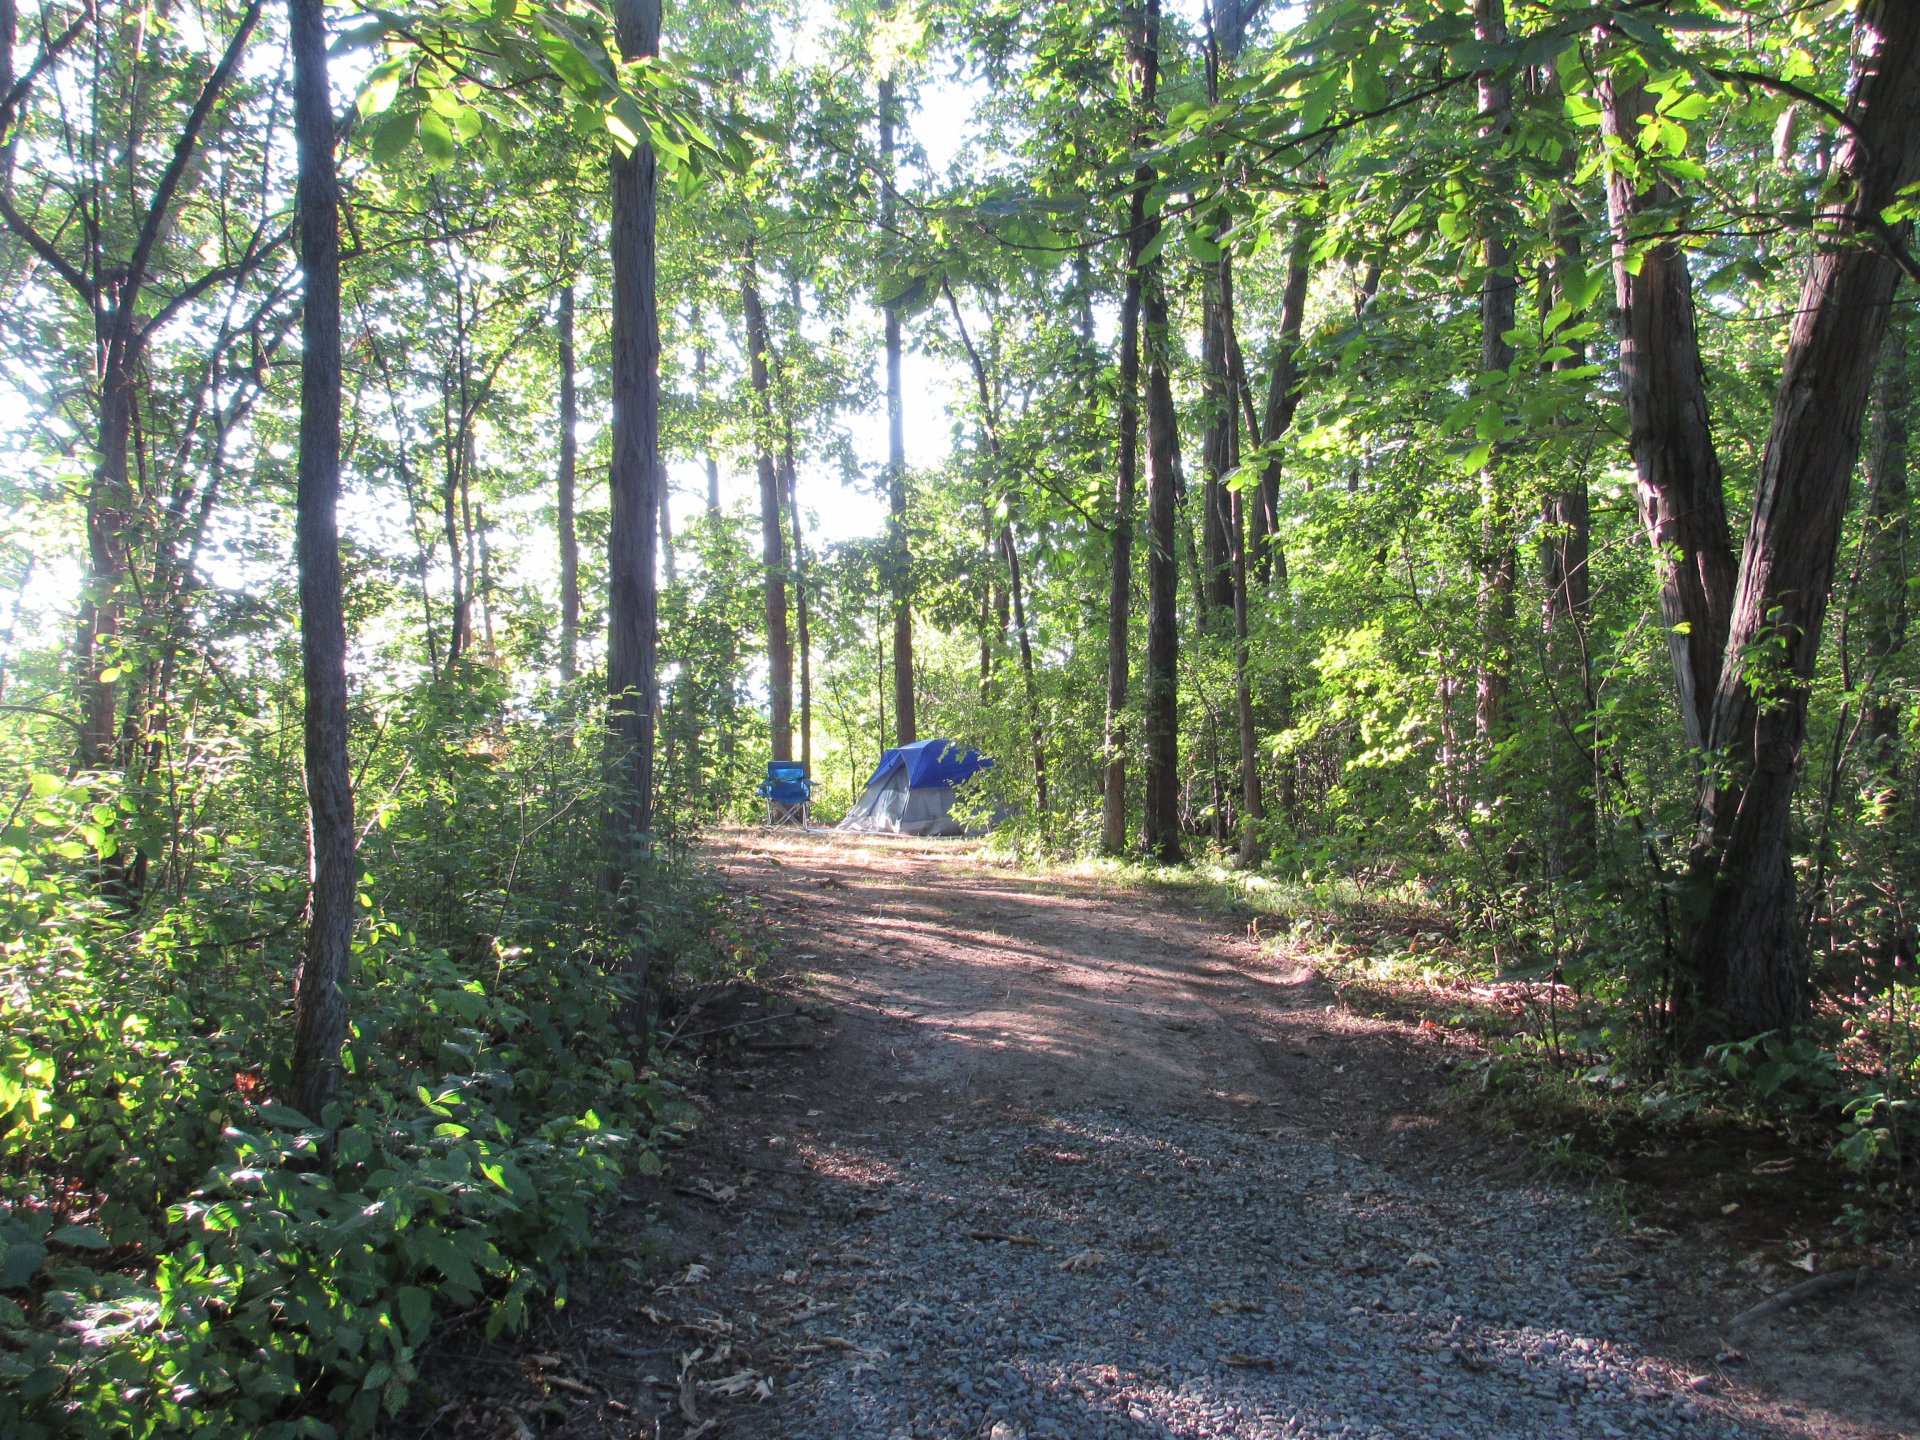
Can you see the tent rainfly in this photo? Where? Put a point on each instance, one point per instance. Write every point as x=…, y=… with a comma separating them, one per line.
x=912, y=791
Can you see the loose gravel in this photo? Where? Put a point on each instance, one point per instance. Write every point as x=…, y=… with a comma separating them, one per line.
x=1104, y=1273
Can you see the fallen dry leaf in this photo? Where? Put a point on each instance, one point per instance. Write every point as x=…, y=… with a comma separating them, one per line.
x=1083, y=1261
x=741, y=1382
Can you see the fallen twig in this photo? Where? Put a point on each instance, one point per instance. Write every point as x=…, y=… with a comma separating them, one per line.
x=1805, y=1290
x=807, y=1015
x=995, y=1235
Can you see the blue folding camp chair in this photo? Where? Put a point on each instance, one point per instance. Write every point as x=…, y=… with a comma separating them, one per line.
x=788, y=793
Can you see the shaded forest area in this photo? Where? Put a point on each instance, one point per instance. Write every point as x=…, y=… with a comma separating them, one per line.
x=452, y=448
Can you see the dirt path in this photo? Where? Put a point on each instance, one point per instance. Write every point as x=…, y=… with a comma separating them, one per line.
x=1042, y=1158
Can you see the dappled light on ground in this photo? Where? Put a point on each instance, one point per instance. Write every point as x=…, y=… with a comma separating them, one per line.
x=1070, y=1161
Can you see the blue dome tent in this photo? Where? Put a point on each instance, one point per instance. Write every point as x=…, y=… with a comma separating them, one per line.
x=913, y=789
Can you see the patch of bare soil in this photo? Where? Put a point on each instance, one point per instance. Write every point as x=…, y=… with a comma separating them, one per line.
x=1018, y=1157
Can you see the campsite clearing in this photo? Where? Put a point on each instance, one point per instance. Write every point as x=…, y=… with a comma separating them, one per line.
x=1020, y=1157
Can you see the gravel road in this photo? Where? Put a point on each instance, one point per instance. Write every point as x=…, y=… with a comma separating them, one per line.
x=1060, y=1163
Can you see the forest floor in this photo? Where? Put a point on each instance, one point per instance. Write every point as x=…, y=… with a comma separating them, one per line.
x=1006, y=1156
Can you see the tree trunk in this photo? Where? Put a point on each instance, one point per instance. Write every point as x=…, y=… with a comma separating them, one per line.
x=635, y=472
x=665, y=497
x=899, y=552
x=790, y=472
x=453, y=459
x=1888, y=570
x=1499, y=565
x=1567, y=543
x=988, y=634
x=569, y=537
x=1016, y=590
x=1283, y=401
x=1745, y=966
x=1216, y=578
x=1682, y=500
x=485, y=592
x=700, y=390
x=772, y=541
x=1253, y=808
x=1162, y=679
x=1009, y=552
x=109, y=526
x=1144, y=58
x=320, y=1006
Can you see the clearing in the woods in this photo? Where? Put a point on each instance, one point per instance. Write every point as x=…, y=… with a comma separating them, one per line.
x=1015, y=1156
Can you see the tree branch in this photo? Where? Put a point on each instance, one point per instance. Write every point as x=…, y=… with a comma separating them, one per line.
x=22, y=228
x=183, y=149
x=246, y=264
x=17, y=92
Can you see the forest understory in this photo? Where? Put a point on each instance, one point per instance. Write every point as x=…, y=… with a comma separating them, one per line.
x=1393, y=520
x=995, y=1152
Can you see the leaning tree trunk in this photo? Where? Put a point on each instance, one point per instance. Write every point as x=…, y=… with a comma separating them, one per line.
x=1745, y=970
x=635, y=472
x=772, y=541
x=1682, y=500
x=320, y=1006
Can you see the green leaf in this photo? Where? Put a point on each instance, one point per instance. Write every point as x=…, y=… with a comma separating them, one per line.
x=285, y=1117
x=436, y=140
x=382, y=85
x=391, y=135
x=19, y=1262
x=415, y=1308
x=1202, y=248
x=81, y=1237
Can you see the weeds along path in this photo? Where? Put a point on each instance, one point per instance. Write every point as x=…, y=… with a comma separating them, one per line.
x=1056, y=1160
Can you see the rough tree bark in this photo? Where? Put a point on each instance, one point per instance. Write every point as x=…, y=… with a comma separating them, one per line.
x=320, y=1006
x=1682, y=500
x=1215, y=589
x=1745, y=968
x=635, y=472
